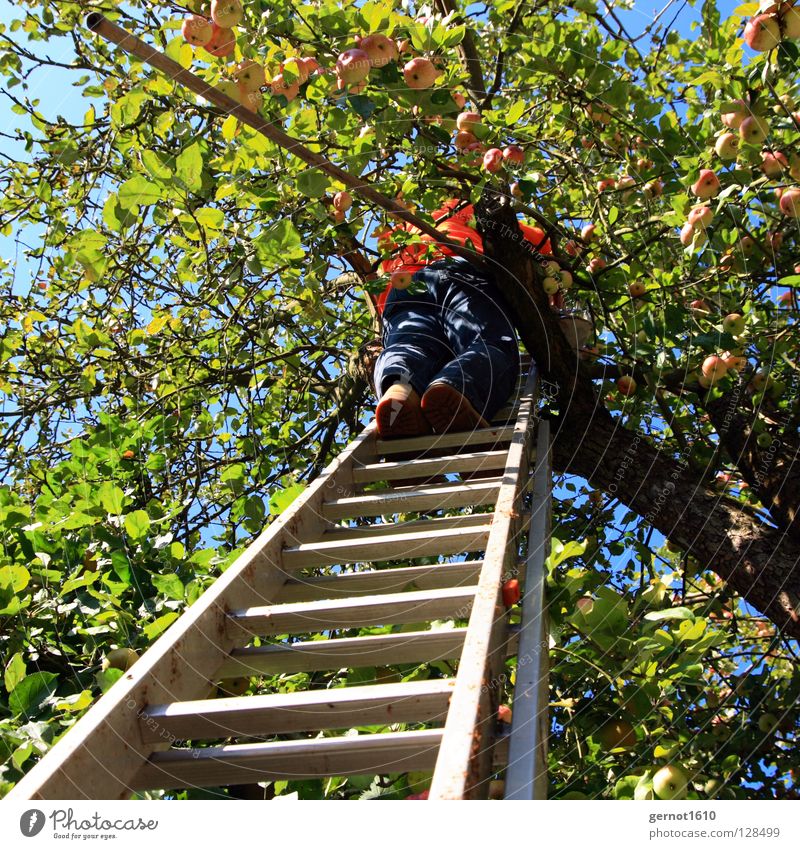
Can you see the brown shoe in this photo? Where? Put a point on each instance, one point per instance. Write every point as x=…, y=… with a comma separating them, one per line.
x=448, y=410
x=399, y=413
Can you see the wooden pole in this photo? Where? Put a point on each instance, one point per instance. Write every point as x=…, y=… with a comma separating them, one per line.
x=136, y=47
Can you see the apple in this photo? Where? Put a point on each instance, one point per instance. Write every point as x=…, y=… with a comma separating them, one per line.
x=468, y=121
x=775, y=240
x=703, y=381
x=514, y=154
x=790, y=203
x=516, y=192
x=250, y=75
x=712, y=786
x=653, y=189
x=773, y=164
x=222, y=43
x=734, y=119
x=463, y=139
x=637, y=289
x=707, y=185
x=128, y=455
x=572, y=248
x=120, y=659
x=310, y=63
x=714, y=368
x=596, y=264
x=643, y=164
x=762, y=33
x=338, y=216
x=759, y=380
x=671, y=782
x=565, y=278
x=342, y=201
x=747, y=245
x=790, y=21
x=753, y=129
x=734, y=362
x=493, y=160
x=459, y=98
x=616, y=734
x=227, y=13
x=380, y=49
x=786, y=299
x=297, y=67
x=700, y=215
x=550, y=285
x=727, y=146
x=197, y=30
x=400, y=279
x=607, y=183
x=585, y=605
x=687, y=234
x=588, y=233
x=419, y=797
x=626, y=385
x=353, y=66
x=279, y=86
x=504, y=713
x=767, y=723
x=420, y=73
x=733, y=323
x=552, y=268
x=232, y=687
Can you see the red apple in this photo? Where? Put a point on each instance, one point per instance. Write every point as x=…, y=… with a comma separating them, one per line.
x=310, y=64
x=699, y=306
x=790, y=203
x=504, y=713
x=653, y=189
x=637, y=289
x=707, y=185
x=596, y=264
x=223, y=41
x=400, y=279
x=735, y=118
x=587, y=233
x=420, y=73
x=197, y=30
x=459, y=99
x=297, y=68
x=516, y=192
x=342, y=201
x=714, y=368
x=700, y=216
x=773, y=164
x=468, y=121
x=762, y=33
x=747, y=245
x=493, y=160
x=227, y=13
x=607, y=183
x=380, y=49
x=734, y=362
x=463, y=139
x=353, y=66
x=514, y=154
x=279, y=86
x=252, y=100
x=626, y=385
x=687, y=234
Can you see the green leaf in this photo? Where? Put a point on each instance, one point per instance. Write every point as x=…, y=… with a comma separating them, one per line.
x=514, y=112
x=161, y=624
x=671, y=613
x=138, y=191
x=189, y=167
x=281, y=499
x=152, y=162
x=137, y=524
x=233, y=478
x=210, y=218
x=15, y=671
x=111, y=497
x=312, y=183
x=31, y=692
x=169, y=585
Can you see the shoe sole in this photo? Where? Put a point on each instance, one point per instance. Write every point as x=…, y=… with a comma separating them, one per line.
x=395, y=417
x=447, y=410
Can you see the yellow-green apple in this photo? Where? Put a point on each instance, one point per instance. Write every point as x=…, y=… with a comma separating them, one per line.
x=342, y=201
x=123, y=659
x=353, y=66
x=790, y=21
x=707, y=185
x=250, y=75
x=400, y=279
x=588, y=233
x=420, y=73
x=550, y=285
x=700, y=216
x=671, y=782
x=626, y=385
x=493, y=160
x=468, y=121
x=727, y=146
x=197, y=30
x=551, y=268
x=714, y=368
x=280, y=86
x=762, y=33
x=223, y=41
x=230, y=89
x=733, y=119
x=767, y=723
x=790, y=203
x=380, y=48
x=514, y=154
x=227, y=13
x=733, y=323
x=637, y=289
x=566, y=279
x=753, y=129
x=773, y=163
x=232, y=687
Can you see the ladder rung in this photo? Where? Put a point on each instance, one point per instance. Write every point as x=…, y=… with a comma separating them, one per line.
x=398, y=751
x=434, y=497
x=431, y=525
x=381, y=580
x=444, y=440
x=351, y=652
x=331, y=614
x=392, y=546
x=450, y=464
x=310, y=710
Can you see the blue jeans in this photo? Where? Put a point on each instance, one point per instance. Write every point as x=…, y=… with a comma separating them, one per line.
x=457, y=332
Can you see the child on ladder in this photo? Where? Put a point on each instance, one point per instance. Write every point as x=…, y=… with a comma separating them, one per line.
x=450, y=358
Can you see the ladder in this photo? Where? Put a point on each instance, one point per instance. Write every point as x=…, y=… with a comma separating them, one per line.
x=335, y=561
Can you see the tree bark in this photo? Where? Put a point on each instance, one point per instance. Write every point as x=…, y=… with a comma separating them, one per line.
x=759, y=562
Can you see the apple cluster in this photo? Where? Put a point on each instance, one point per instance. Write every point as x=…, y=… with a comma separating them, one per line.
x=778, y=21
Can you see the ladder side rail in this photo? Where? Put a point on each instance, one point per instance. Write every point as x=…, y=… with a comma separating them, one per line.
x=100, y=756
x=526, y=774
x=465, y=756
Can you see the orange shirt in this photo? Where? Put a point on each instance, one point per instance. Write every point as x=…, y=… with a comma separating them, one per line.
x=456, y=227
